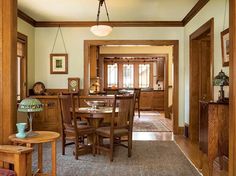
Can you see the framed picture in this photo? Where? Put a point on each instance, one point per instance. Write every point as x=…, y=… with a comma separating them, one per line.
x=225, y=47
x=58, y=63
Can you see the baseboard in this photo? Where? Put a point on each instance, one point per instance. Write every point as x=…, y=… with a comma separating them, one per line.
x=180, y=130
x=186, y=130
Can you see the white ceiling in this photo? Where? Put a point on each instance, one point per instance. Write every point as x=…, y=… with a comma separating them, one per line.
x=120, y=10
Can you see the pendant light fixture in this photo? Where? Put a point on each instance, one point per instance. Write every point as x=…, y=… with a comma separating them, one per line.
x=101, y=30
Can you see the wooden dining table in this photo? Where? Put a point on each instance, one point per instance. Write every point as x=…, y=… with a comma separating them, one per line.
x=95, y=116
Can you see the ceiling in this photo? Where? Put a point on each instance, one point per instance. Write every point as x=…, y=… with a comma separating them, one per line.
x=119, y=10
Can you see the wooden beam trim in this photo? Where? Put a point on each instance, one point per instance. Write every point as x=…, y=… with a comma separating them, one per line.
x=26, y=18
x=111, y=23
x=194, y=11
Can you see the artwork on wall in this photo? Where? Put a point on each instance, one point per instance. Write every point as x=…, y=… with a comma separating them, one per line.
x=59, y=63
x=225, y=47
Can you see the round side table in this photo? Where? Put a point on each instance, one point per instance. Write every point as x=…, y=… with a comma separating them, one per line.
x=42, y=137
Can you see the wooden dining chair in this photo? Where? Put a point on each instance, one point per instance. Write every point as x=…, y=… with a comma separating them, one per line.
x=121, y=125
x=71, y=130
x=137, y=92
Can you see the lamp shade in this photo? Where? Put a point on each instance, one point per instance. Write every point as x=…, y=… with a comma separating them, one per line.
x=101, y=30
x=221, y=79
x=30, y=105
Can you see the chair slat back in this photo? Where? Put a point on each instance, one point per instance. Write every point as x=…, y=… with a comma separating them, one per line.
x=65, y=105
x=125, y=113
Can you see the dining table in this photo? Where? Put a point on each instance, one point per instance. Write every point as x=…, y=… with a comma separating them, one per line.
x=95, y=116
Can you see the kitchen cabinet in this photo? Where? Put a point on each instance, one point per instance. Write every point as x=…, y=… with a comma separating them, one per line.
x=160, y=69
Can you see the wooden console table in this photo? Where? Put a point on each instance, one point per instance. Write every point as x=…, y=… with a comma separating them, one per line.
x=214, y=131
x=42, y=137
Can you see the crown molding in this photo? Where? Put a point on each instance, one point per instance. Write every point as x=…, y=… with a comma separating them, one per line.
x=199, y=5
x=26, y=17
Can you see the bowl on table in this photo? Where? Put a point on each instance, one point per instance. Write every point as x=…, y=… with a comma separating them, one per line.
x=95, y=104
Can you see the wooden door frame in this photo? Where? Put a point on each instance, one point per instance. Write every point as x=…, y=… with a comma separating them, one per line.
x=194, y=121
x=24, y=39
x=232, y=88
x=174, y=43
x=8, y=37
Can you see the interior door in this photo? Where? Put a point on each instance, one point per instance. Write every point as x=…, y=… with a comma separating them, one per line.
x=205, y=85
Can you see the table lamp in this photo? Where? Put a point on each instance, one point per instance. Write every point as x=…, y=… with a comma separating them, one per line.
x=221, y=80
x=30, y=105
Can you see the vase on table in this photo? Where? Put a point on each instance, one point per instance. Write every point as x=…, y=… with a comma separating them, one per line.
x=21, y=130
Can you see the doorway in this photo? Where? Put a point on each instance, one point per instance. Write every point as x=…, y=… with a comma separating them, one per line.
x=88, y=45
x=21, y=66
x=201, y=73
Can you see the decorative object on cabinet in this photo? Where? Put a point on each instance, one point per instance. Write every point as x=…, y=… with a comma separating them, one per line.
x=38, y=88
x=95, y=86
x=101, y=30
x=221, y=80
x=73, y=85
x=58, y=63
x=225, y=47
x=214, y=132
x=30, y=105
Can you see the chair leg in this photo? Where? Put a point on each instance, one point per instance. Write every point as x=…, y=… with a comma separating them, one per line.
x=129, y=145
x=111, y=149
x=94, y=144
x=138, y=109
x=76, y=148
x=63, y=143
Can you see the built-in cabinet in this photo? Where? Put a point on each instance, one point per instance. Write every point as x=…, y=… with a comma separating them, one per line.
x=160, y=69
x=49, y=118
x=152, y=100
x=214, y=131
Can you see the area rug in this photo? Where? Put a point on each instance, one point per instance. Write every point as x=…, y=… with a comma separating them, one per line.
x=149, y=158
x=151, y=125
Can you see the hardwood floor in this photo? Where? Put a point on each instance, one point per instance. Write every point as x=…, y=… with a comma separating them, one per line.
x=191, y=150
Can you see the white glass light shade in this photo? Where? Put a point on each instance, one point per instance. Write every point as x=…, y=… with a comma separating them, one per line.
x=101, y=30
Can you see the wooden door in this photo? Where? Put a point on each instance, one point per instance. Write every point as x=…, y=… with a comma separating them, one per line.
x=201, y=71
x=205, y=85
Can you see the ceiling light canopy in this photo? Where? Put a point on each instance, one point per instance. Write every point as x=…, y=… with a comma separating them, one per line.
x=101, y=30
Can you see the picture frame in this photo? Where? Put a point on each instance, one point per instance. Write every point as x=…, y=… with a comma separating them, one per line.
x=225, y=47
x=59, y=63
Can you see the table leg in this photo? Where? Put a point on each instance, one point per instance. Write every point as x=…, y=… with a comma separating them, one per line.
x=40, y=158
x=54, y=160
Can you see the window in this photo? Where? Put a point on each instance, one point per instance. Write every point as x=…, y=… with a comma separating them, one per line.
x=123, y=73
x=128, y=75
x=144, y=75
x=112, y=71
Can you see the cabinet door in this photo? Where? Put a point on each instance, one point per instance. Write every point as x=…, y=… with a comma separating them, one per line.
x=160, y=69
x=158, y=100
x=146, y=100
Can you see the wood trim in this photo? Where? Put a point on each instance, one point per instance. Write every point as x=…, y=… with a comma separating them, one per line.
x=111, y=23
x=26, y=18
x=166, y=82
x=8, y=37
x=232, y=88
x=208, y=27
x=199, y=5
x=174, y=43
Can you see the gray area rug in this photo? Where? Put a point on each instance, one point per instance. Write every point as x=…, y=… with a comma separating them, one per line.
x=149, y=158
x=144, y=125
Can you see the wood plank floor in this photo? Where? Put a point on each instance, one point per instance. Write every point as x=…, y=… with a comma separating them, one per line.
x=190, y=149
